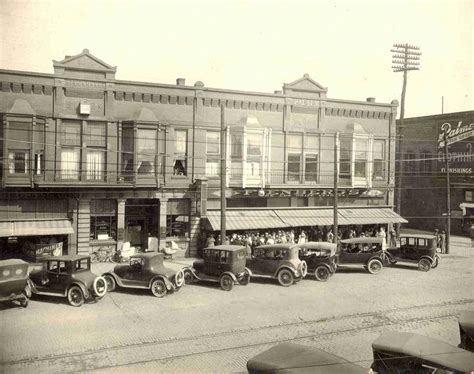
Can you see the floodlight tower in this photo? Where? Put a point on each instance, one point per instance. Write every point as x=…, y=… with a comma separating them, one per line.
x=405, y=57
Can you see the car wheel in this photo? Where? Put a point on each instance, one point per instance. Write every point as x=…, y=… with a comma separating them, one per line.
x=24, y=301
x=110, y=282
x=179, y=279
x=322, y=273
x=158, y=288
x=424, y=264
x=435, y=263
x=100, y=287
x=304, y=269
x=374, y=266
x=285, y=277
x=188, y=277
x=226, y=282
x=75, y=296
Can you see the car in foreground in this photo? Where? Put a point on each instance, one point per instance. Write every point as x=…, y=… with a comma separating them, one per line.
x=292, y=358
x=403, y=352
x=14, y=282
x=466, y=330
x=70, y=277
x=320, y=258
x=145, y=271
x=368, y=252
x=224, y=264
x=415, y=249
x=278, y=261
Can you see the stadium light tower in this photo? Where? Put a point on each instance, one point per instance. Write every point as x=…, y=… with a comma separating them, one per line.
x=405, y=58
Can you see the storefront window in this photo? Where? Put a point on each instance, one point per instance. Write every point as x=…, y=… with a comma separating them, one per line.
x=103, y=220
x=212, y=153
x=177, y=226
x=18, y=162
x=180, y=153
x=146, y=151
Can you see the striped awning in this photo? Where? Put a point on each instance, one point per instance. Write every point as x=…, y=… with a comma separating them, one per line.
x=32, y=228
x=248, y=219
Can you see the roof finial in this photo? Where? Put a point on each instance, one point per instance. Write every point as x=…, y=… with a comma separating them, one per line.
x=85, y=50
x=306, y=75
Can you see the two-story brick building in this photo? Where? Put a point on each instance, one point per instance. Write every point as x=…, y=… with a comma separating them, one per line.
x=92, y=161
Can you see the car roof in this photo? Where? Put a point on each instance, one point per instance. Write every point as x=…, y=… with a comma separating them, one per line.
x=12, y=262
x=277, y=246
x=227, y=247
x=369, y=239
x=295, y=358
x=433, y=350
x=66, y=257
x=318, y=245
x=419, y=236
x=466, y=321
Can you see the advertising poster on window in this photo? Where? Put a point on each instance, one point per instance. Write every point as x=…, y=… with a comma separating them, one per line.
x=459, y=136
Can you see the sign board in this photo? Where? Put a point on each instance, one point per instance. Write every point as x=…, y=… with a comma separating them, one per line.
x=459, y=136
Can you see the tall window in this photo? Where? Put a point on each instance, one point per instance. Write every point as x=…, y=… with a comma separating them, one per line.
x=18, y=162
x=212, y=153
x=360, y=158
x=254, y=154
x=345, y=157
x=127, y=153
x=180, y=152
x=39, y=163
x=379, y=159
x=311, y=152
x=103, y=220
x=146, y=151
x=294, y=146
x=70, y=151
x=162, y=152
x=96, y=143
x=236, y=141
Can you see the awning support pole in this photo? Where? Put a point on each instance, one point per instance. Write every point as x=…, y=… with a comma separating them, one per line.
x=336, y=182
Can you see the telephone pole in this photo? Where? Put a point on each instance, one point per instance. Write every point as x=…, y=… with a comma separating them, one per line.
x=405, y=57
x=223, y=176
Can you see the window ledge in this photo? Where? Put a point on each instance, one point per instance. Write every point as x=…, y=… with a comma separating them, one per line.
x=102, y=242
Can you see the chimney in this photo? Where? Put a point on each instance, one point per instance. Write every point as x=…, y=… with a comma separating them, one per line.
x=180, y=81
x=371, y=99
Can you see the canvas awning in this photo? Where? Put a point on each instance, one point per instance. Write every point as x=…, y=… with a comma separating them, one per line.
x=249, y=219
x=32, y=228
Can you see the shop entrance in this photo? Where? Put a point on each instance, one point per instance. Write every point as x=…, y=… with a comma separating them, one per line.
x=141, y=220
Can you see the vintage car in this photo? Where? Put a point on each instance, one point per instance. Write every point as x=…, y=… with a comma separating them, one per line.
x=14, y=282
x=366, y=251
x=320, y=258
x=294, y=358
x=415, y=249
x=278, y=261
x=466, y=330
x=403, y=352
x=223, y=263
x=68, y=276
x=146, y=271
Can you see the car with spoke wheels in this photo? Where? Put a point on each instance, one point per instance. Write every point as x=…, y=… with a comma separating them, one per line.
x=368, y=252
x=14, y=281
x=403, y=352
x=415, y=249
x=70, y=277
x=145, y=271
x=320, y=258
x=223, y=264
x=278, y=261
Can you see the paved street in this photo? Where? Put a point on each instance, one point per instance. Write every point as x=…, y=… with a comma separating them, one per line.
x=205, y=329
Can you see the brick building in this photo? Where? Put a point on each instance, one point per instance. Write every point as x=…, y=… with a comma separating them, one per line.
x=92, y=161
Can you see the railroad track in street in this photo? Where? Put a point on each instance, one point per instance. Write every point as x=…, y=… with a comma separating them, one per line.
x=162, y=350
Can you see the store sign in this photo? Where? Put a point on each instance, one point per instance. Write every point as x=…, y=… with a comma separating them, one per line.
x=459, y=137
x=49, y=250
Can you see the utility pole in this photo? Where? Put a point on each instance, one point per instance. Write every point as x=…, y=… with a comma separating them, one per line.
x=405, y=57
x=223, y=176
x=336, y=185
x=448, y=194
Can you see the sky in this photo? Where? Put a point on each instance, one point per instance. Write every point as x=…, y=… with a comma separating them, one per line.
x=257, y=45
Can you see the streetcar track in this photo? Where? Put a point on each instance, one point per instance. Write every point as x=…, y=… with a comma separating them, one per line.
x=380, y=317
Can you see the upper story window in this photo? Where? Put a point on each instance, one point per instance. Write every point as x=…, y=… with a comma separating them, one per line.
x=254, y=154
x=96, y=143
x=379, y=159
x=311, y=155
x=18, y=162
x=469, y=195
x=128, y=149
x=295, y=153
x=146, y=151
x=161, y=152
x=212, y=153
x=180, y=153
x=345, y=158
x=71, y=133
x=356, y=156
x=361, y=157
x=70, y=149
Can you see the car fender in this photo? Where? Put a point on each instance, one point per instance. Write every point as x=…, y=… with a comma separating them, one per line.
x=376, y=258
x=232, y=275
x=325, y=265
x=430, y=259
x=32, y=286
x=249, y=271
x=84, y=289
x=168, y=284
x=117, y=279
x=293, y=271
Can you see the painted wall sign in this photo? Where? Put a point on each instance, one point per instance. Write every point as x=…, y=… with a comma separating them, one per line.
x=460, y=139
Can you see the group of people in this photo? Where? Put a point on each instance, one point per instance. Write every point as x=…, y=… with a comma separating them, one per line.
x=440, y=240
x=252, y=239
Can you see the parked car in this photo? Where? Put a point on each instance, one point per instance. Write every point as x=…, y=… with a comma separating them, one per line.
x=368, y=252
x=415, y=249
x=70, y=277
x=224, y=264
x=466, y=330
x=294, y=358
x=14, y=282
x=146, y=271
x=403, y=352
x=278, y=261
x=320, y=258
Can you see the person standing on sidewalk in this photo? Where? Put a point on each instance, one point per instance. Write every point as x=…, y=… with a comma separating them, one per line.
x=442, y=242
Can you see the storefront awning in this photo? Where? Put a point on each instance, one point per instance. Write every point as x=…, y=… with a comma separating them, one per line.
x=32, y=228
x=248, y=219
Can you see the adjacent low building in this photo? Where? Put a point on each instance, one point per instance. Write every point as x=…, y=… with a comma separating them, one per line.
x=91, y=162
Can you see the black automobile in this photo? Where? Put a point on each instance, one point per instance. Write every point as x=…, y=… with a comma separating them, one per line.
x=14, y=282
x=145, y=271
x=368, y=252
x=415, y=249
x=320, y=258
x=466, y=330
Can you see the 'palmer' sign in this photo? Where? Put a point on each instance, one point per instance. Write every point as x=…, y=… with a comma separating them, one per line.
x=460, y=139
